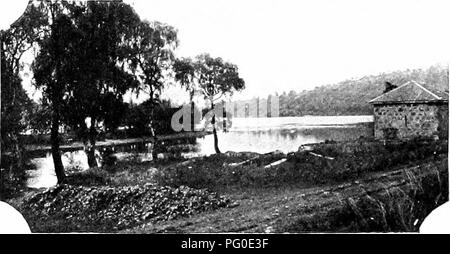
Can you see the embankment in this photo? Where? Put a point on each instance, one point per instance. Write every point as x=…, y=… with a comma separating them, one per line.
x=396, y=201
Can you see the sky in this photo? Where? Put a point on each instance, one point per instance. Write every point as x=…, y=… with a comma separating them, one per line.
x=283, y=45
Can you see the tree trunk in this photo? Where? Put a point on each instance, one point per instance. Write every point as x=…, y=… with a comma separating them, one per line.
x=192, y=116
x=152, y=125
x=92, y=162
x=18, y=159
x=54, y=137
x=224, y=117
x=216, y=139
x=155, y=141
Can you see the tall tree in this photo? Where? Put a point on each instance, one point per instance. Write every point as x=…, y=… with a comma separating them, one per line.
x=52, y=65
x=150, y=59
x=185, y=74
x=15, y=104
x=51, y=68
x=216, y=78
x=100, y=78
x=24, y=34
x=14, y=107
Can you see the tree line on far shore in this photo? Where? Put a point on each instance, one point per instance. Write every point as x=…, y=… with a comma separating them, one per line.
x=351, y=97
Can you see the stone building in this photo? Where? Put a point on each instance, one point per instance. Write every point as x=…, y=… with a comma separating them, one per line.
x=411, y=111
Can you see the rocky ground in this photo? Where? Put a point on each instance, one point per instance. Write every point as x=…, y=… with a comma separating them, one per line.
x=114, y=208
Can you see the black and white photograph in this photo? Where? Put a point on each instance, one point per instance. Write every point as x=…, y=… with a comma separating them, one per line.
x=224, y=116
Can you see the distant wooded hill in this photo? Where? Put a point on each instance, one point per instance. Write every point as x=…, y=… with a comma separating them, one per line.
x=351, y=97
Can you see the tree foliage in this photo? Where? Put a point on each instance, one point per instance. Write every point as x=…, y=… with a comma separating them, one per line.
x=216, y=77
x=212, y=77
x=15, y=42
x=184, y=74
x=15, y=104
x=150, y=57
x=138, y=118
x=91, y=62
x=99, y=77
x=24, y=34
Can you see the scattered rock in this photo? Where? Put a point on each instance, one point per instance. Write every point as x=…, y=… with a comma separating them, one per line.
x=233, y=205
x=123, y=206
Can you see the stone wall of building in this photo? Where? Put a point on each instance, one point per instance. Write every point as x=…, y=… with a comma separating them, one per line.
x=407, y=121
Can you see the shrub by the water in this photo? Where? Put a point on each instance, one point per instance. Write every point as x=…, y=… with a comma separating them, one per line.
x=217, y=172
x=108, y=157
x=13, y=176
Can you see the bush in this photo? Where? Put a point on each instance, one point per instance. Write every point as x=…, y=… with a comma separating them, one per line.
x=108, y=157
x=138, y=118
x=90, y=177
x=13, y=175
x=217, y=172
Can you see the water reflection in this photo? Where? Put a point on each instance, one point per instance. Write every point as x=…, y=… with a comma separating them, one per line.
x=44, y=175
x=286, y=134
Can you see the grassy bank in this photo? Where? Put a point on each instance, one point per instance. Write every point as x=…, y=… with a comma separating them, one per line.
x=323, y=164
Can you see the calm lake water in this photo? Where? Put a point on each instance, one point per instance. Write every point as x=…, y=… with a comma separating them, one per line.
x=259, y=135
x=286, y=134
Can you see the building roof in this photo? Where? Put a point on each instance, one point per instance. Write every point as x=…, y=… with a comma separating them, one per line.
x=411, y=92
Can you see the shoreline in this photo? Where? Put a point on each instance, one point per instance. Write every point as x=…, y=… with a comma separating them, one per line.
x=76, y=146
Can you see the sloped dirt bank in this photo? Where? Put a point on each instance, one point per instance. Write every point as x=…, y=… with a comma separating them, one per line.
x=396, y=201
